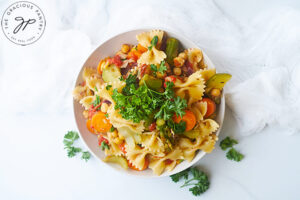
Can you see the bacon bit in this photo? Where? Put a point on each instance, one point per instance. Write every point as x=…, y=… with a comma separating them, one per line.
x=168, y=161
x=82, y=83
x=152, y=126
x=143, y=69
x=190, y=69
x=117, y=61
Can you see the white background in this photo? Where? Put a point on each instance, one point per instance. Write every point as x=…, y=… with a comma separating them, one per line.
x=36, y=108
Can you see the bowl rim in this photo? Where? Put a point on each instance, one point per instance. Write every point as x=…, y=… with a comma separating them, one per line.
x=108, y=165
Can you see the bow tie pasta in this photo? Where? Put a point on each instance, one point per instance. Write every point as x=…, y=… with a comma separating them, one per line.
x=150, y=106
x=151, y=40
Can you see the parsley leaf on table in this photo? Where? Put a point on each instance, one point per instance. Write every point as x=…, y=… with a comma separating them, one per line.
x=233, y=154
x=69, y=140
x=184, y=174
x=199, y=180
x=85, y=156
x=227, y=143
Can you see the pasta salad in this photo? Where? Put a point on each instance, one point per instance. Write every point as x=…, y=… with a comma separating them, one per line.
x=152, y=105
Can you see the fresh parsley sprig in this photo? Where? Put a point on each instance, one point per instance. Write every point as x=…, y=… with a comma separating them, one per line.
x=199, y=180
x=232, y=154
x=138, y=103
x=69, y=140
x=161, y=69
x=227, y=143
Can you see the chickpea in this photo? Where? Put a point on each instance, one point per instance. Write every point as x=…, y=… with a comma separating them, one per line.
x=178, y=61
x=177, y=71
x=125, y=48
x=114, y=134
x=215, y=92
x=168, y=68
x=104, y=107
x=183, y=55
x=160, y=75
x=85, y=114
x=160, y=122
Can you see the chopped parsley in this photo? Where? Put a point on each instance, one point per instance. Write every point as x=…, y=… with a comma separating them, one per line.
x=233, y=154
x=104, y=146
x=106, y=115
x=85, y=156
x=97, y=101
x=121, y=78
x=138, y=103
x=108, y=87
x=162, y=68
x=112, y=129
x=153, y=42
x=96, y=89
x=199, y=180
x=69, y=140
x=178, y=128
x=227, y=143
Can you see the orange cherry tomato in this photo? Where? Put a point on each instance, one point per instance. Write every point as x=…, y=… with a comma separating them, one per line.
x=169, y=79
x=89, y=126
x=141, y=49
x=144, y=167
x=189, y=118
x=100, y=123
x=211, y=106
x=134, y=54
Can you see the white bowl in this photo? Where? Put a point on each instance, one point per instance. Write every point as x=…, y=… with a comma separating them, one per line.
x=109, y=48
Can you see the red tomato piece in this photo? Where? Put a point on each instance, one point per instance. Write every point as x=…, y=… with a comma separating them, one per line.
x=152, y=126
x=169, y=79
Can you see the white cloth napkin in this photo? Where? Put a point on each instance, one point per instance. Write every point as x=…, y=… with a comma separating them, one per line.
x=270, y=98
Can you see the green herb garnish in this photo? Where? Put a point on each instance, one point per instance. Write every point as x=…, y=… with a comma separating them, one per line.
x=97, y=101
x=85, y=155
x=227, y=143
x=233, y=154
x=162, y=68
x=199, y=180
x=96, y=89
x=153, y=42
x=108, y=87
x=112, y=129
x=69, y=140
x=138, y=104
x=104, y=146
x=106, y=115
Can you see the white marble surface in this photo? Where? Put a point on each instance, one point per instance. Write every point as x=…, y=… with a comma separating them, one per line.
x=36, y=105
